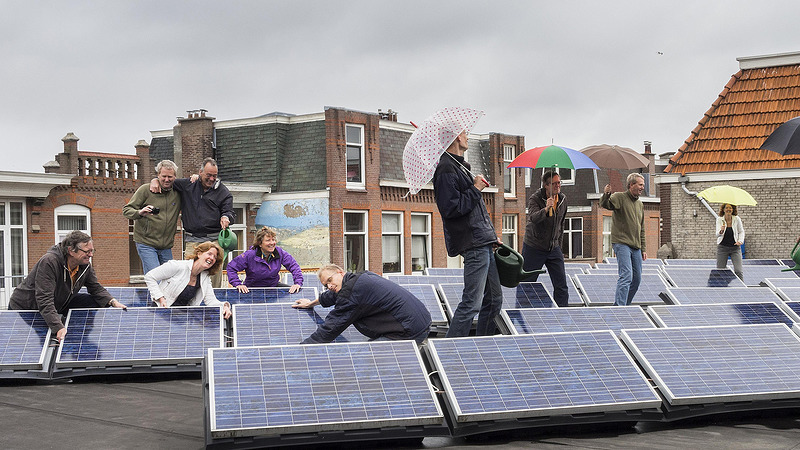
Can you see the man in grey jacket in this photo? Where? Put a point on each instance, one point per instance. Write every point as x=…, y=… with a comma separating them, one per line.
x=52, y=285
x=543, y=234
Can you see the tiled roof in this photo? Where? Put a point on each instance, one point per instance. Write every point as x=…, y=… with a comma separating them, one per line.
x=753, y=104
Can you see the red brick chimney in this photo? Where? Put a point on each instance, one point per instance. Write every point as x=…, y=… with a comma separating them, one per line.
x=197, y=135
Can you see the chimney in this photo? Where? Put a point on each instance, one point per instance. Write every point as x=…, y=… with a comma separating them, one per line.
x=68, y=160
x=145, y=165
x=388, y=115
x=196, y=140
x=647, y=149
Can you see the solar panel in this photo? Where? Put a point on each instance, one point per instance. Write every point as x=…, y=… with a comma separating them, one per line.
x=427, y=294
x=24, y=336
x=573, y=268
x=132, y=297
x=731, y=363
x=700, y=295
x=114, y=337
x=575, y=298
x=600, y=289
x=794, y=307
x=602, y=269
x=718, y=314
x=776, y=283
x=787, y=262
x=648, y=261
x=759, y=262
x=313, y=388
x=536, y=375
x=556, y=320
x=526, y=295
x=702, y=277
x=754, y=275
x=424, y=279
x=789, y=294
x=690, y=262
x=445, y=271
x=280, y=324
x=264, y=295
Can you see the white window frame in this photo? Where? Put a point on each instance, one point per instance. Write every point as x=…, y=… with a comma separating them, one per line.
x=608, y=250
x=426, y=234
x=71, y=210
x=399, y=234
x=6, y=227
x=510, y=229
x=567, y=237
x=363, y=233
x=361, y=146
x=567, y=176
x=509, y=153
x=528, y=177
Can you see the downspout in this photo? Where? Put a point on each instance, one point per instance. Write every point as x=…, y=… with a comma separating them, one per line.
x=683, y=180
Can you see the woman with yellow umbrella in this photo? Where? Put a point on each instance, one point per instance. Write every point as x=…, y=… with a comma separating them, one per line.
x=729, y=228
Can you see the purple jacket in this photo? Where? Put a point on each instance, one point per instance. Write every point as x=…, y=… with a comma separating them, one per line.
x=261, y=273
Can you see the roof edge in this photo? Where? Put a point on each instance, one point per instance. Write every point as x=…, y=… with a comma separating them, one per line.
x=773, y=60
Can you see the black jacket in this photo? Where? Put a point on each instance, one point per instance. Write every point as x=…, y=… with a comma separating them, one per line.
x=48, y=288
x=466, y=222
x=544, y=232
x=201, y=210
x=375, y=306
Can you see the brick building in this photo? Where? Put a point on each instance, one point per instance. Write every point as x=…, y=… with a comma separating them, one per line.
x=724, y=149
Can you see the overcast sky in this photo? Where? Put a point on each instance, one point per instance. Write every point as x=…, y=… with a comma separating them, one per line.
x=575, y=73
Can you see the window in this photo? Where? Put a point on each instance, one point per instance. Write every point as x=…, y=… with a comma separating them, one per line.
x=134, y=262
x=510, y=230
x=392, y=229
x=509, y=178
x=12, y=247
x=528, y=177
x=572, y=244
x=567, y=176
x=69, y=218
x=355, y=241
x=608, y=250
x=239, y=228
x=354, y=135
x=420, y=241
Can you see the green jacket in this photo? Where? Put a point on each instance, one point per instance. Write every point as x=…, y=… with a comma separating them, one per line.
x=157, y=231
x=628, y=219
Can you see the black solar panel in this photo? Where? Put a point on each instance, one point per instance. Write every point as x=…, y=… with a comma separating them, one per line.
x=600, y=289
x=264, y=295
x=575, y=298
x=280, y=324
x=24, y=336
x=557, y=320
x=702, y=277
x=718, y=314
x=112, y=336
x=427, y=294
x=314, y=388
x=700, y=295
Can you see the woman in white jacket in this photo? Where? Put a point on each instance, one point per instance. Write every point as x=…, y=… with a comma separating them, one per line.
x=188, y=282
x=730, y=236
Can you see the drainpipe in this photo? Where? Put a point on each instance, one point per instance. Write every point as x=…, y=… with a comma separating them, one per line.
x=683, y=180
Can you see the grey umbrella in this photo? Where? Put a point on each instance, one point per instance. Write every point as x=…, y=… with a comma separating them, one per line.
x=615, y=157
x=785, y=139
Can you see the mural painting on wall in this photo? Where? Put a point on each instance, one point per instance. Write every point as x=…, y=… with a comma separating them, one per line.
x=302, y=227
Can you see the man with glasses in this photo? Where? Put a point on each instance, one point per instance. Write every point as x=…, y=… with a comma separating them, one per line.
x=379, y=308
x=52, y=285
x=542, y=244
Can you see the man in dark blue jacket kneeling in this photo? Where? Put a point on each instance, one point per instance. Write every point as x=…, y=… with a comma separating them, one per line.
x=377, y=307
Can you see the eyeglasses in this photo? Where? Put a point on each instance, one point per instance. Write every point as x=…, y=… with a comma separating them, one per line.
x=88, y=252
x=557, y=183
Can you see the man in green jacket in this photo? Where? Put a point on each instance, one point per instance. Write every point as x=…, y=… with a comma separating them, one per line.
x=627, y=236
x=155, y=216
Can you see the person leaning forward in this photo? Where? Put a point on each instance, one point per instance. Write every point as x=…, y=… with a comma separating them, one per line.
x=52, y=285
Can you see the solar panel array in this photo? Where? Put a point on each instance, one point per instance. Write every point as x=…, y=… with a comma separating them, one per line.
x=575, y=298
x=501, y=377
x=23, y=340
x=718, y=314
x=424, y=279
x=648, y=261
x=776, y=283
x=557, y=320
x=704, y=295
x=445, y=271
x=314, y=388
x=113, y=337
x=790, y=294
x=696, y=365
x=702, y=277
x=754, y=275
x=526, y=295
x=264, y=295
x=132, y=297
x=427, y=294
x=280, y=324
x=794, y=306
x=600, y=289
x=690, y=262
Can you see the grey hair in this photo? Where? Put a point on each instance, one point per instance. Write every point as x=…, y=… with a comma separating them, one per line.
x=328, y=268
x=632, y=178
x=167, y=164
x=72, y=240
x=206, y=161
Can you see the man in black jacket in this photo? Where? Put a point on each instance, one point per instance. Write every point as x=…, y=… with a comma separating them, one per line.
x=52, y=285
x=380, y=309
x=542, y=244
x=468, y=231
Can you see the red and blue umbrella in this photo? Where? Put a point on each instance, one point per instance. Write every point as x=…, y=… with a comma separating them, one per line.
x=553, y=156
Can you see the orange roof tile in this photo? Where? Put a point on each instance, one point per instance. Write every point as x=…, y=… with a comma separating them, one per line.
x=752, y=105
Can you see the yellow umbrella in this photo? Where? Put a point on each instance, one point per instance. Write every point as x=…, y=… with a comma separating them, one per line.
x=727, y=194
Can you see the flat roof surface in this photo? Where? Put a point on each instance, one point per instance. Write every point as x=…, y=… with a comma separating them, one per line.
x=166, y=411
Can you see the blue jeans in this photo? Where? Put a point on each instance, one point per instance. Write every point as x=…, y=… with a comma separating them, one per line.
x=482, y=294
x=629, y=261
x=554, y=261
x=152, y=257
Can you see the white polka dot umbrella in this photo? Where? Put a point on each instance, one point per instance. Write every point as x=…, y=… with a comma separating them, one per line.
x=430, y=140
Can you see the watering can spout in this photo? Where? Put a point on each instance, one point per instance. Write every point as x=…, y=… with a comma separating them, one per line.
x=509, y=266
x=795, y=257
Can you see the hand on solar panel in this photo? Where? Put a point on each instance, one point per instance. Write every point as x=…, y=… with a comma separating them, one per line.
x=117, y=304
x=305, y=303
x=226, y=310
x=243, y=289
x=294, y=288
x=60, y=334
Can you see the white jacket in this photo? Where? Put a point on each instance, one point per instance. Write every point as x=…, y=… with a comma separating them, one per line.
x=171, y=278
x=738, y=229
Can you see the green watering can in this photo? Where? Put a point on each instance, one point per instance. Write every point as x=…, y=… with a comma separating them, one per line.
x=228, y=241
x=795, y=257
x=509, y=266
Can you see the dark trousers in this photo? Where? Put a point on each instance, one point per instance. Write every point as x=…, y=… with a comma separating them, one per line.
x=80, y=301
x=554, y=261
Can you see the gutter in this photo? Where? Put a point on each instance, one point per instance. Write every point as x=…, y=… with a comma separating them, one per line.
x=683, y=180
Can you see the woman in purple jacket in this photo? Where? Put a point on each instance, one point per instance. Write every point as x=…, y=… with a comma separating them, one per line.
x=262, y=264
